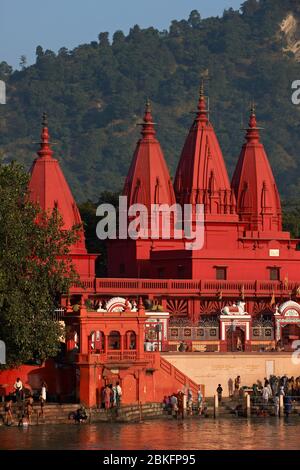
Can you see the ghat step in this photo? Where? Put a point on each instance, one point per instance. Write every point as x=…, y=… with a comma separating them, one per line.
x=59, y=414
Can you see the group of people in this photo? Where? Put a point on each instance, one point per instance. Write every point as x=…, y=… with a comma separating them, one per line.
x=266, y=395
x=272, y=389
x=111, y=396
x=178, y=402
x=24, y=404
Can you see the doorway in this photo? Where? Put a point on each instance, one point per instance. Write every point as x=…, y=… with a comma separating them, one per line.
x=289, y=334
x=235, y=339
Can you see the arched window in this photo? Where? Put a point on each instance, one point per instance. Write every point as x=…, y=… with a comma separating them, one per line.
x=96, y=342
x=114, y=340
x=130, y=341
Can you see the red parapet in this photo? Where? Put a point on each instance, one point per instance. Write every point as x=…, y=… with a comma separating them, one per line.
x=182, y=287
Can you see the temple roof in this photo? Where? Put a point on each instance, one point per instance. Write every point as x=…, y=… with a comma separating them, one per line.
x=201, y=175
x=148, y=180
x=49, y=188
x=258, y=201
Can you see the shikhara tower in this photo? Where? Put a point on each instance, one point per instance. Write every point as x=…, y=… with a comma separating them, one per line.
x=49, y=188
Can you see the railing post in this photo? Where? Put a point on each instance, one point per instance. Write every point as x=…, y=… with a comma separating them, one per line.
x=281, y=414
x=216, y=406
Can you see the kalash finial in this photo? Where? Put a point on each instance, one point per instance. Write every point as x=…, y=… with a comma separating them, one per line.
x=45, y=149
x=202, y=111
x=148, y=124
x=253, y=129
x=253, y=122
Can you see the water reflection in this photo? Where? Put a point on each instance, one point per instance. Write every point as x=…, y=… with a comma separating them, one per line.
x=162, y=434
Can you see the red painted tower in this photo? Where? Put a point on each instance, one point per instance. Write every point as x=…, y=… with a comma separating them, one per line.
x=258, y=203
x=48, y=188
x=201, y=176
x=148, y=183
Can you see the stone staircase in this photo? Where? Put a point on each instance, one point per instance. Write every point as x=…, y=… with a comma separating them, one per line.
x=60, y=414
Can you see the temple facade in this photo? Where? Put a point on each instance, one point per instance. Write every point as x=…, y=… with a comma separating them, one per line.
x=246, y=258
x=239, y=292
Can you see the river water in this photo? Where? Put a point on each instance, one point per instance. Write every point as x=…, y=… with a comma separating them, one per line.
x=190, y=434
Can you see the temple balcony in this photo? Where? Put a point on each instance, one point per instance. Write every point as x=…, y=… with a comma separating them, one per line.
x=118, y=358
x=184, y=287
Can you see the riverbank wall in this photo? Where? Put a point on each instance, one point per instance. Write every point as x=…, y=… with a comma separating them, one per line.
x=212, y=369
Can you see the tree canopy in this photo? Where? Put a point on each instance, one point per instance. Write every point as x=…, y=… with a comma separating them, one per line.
x=35, y=270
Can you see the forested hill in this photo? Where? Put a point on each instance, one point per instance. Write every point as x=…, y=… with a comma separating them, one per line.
x=95, y=94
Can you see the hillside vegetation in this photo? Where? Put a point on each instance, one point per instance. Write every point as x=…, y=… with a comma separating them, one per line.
x=95, y=94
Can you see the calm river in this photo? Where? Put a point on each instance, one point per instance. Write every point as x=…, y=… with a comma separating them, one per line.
x=190, y=434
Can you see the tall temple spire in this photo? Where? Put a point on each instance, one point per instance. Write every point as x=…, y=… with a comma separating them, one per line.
x=148, y=180
x=201, y=176
x=49, y=188
x=258, y=202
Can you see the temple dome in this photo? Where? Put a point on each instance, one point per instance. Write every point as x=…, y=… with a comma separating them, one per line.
x=258, y=202
x=49, y=188
x=148, y=181
x=201, y=176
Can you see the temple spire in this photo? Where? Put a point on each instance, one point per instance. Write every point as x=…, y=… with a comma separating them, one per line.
x=201, y=176
x=148, y=129
x=202, y=113
x=50, y=190
x=148, y=180
x=45, y=148
x=253, y=183
x=253, y=130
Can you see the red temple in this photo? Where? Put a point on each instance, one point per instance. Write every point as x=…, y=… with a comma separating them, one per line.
x=240, y=292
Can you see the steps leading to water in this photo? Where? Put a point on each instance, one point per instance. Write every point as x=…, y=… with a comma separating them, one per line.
x=60, y=414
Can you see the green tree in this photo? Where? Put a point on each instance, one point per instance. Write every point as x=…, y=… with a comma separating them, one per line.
x=35, y=270
x=195, y=19
x=23, y=62
x=104, y=39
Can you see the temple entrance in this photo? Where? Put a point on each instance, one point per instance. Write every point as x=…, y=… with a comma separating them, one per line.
x=290, y=333
x=235, y=339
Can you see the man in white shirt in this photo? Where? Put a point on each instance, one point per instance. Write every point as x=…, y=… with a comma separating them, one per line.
x=265, y=396
x=18, y=386
x=118, y=394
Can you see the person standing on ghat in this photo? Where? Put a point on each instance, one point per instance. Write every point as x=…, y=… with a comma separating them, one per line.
x=219, y=392
x=119, y=394
x=190, y=402
x=199, y=401
x=8, y=413
x=107, y=395
x=18, y=386
x=237, y=384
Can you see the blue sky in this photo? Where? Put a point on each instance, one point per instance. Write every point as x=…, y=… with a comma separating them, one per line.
x=24, y=24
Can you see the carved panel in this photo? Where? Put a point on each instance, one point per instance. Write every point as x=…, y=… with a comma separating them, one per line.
x=177, y=307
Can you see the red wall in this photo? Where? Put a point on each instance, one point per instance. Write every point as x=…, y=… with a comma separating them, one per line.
x=59, y=379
